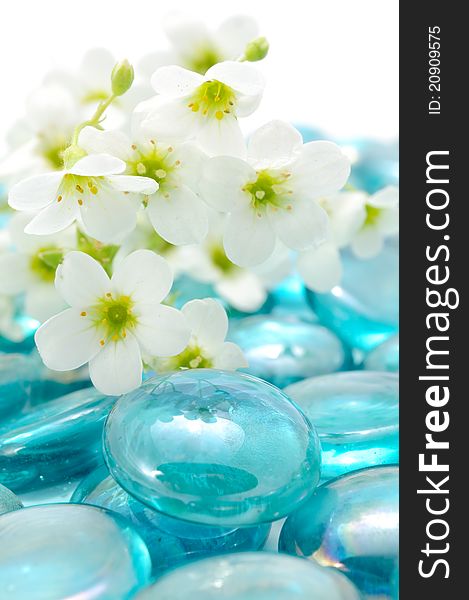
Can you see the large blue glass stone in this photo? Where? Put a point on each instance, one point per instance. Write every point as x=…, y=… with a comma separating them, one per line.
x=356, y=416
x=364, y=309
x=169, y=541
x=284, y=349
x=8, y=500
x=59, y=551
x=351, y=523
x=384, y=357
x=251, y=576
x=16, y=373
x=54, y=442
x=212, y=447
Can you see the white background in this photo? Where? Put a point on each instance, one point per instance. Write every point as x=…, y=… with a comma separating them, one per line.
x=333, y=63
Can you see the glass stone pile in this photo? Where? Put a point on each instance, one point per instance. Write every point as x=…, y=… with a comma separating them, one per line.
x=282, y=478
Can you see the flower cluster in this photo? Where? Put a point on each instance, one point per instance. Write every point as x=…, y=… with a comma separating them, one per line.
x=125, y=180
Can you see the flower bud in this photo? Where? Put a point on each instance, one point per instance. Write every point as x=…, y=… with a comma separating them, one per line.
x=256, y=50
x=122, y=77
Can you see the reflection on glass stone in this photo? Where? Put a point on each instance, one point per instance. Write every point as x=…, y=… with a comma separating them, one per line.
x=251, y=576
x=70, y=551
x=356, y=416
x=169, y=541
x=284, y=349
x=54, y=441
x=364, y=309
x=351, y=523
x=384, y=357
x=8, y=500
x=212, y=447
x=289, y=298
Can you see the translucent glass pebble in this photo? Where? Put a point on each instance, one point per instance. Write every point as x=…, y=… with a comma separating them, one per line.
x=356, y=415
x=351, y=523
x=54, y=441
x=8, y=500
x=284, y=349
x=251, y=576
x=59, y=551
x=169, y=541
x=384, y=357
x=212, y=447
x=364, y=309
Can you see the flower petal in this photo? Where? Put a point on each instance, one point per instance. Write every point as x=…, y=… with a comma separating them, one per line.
x=388, y=221
x=109, y=216
x=35, y=192
x=67, y=340
x=54, y=218
x=95, y=68
x=241, y=77
x=303, y=226
x=175, y=81
x=367, y=243
x=161, y=330
x=42, y=301
x=249, y=239
x=321, y=170
x=81, y=280
x=230, y=357
x=221, y=137
x=96, y=141
x=184, y=32
x=244, y=291
x=96, y=165
x=169, y=120
x=274, y=144
x=388, y=197
x=208, y=322
x=222, y=181
x=179, y=216
x=191, y=161
x=133, y=183
x=117, y=369
x=144, y=276
x=347, y=214
x=321, y=268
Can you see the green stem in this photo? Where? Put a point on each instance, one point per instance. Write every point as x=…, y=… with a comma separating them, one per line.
x=94, y=121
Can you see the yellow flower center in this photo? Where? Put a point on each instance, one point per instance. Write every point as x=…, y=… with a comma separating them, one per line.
x=113, y=317
x=270, y=188
x=213, y=99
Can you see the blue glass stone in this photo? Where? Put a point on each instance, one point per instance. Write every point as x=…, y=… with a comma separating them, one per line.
x=169, y=541
x=351, y=523
x=212, y=447
x=54, y=442
x=356, y=416
x=251, y=576
x=364, y=309
x=384, y=357
x=16, y=373
x=289, y=298
x=70, y=551
x=8, y=500
x=26, y=328
x=284, y=349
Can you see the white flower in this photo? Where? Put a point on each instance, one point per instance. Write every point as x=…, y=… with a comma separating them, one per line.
x=36, y=142
x=176, y=211
x=92, y=190
x=275, y=194
x=111, y=323
x=205, y=108
x=356, y=220
x=243, y=289
x=196, y=48
x=29, y=268
x=207, y=348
